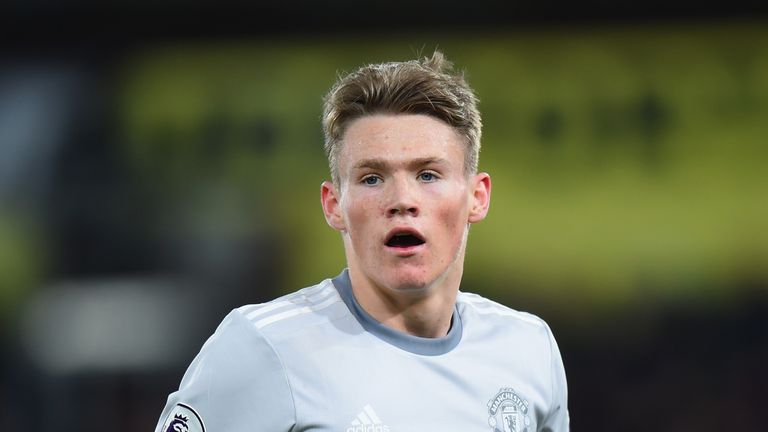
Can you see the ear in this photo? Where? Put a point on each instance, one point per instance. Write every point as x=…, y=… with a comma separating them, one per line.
x=330, y=200
x=481, y=197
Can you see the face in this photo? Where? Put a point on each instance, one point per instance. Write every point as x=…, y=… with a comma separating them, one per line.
x=404, y=201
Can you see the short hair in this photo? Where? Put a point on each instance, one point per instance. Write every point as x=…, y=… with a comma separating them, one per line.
x=426, y=86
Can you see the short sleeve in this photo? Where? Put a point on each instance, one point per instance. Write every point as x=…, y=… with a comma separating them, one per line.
x=236, y=383
x=557, y=419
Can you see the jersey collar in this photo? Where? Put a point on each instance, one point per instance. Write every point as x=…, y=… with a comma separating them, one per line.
x=404, y=341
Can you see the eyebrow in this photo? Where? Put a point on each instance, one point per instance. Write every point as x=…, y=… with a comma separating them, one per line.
x=380, y=164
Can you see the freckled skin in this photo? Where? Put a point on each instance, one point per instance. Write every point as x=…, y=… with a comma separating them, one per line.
x=405, y=171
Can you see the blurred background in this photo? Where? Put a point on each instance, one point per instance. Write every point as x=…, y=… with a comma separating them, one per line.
x=160, y=164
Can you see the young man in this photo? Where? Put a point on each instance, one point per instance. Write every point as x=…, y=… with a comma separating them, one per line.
x=390, y=344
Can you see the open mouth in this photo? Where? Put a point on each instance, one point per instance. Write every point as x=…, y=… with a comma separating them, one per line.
x=404, y=240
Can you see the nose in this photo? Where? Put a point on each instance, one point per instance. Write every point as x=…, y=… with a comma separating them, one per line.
x=402, y=199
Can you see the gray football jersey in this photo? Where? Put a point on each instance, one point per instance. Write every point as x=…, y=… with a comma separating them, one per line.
x=314, y=360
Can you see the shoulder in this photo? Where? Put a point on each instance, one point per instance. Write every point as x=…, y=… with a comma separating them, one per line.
x=236, y=370
x=494, y=322
x=241, y=365
x=257, y=329
x=478, y=312
x=248, y=333
x=307, y=307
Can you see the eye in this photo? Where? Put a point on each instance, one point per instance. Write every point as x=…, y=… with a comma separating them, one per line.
x=371, y=180
x=427, y=176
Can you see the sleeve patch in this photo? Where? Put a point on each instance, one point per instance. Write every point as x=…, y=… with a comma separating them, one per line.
x=183, y=418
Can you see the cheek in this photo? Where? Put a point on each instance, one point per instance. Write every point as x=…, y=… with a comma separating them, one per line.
x=453, y=217
x=360, y=215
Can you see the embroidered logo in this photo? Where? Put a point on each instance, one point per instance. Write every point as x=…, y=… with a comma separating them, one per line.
x=179, y=424
x=183, y=418
x=508, y=412
x=367, y=421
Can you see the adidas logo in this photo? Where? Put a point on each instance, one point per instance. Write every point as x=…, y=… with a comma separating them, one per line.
x=367, y=421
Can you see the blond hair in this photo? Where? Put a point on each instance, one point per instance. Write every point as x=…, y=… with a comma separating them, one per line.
x=426, y=86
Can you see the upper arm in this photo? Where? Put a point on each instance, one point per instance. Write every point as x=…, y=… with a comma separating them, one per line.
x=236, y=383
x=557, y=419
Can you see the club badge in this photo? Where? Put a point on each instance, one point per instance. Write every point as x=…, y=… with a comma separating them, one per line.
x=508, y=412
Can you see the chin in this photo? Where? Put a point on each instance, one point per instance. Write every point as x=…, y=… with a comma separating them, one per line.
x=413, y=281
x=409, y=285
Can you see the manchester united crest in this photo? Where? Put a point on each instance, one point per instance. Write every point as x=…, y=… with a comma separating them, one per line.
x=508, y=412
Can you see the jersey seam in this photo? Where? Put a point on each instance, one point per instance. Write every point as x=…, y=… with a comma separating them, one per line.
x=306, y=304
x=284, y=334
x=283, y=298
x=282, y=368
x=515, y=314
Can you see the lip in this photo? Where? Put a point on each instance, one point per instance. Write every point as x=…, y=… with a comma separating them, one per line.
x=405, y=250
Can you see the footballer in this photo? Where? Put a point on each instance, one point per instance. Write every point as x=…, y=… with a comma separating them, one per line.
x=391, y=343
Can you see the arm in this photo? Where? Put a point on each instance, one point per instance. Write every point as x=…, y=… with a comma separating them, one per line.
x=236, y=383
x=558, y=419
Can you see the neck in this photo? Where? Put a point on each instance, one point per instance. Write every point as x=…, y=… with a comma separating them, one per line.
x=424, y=312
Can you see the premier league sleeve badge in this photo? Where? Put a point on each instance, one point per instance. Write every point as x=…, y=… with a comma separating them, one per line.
x=183, y=418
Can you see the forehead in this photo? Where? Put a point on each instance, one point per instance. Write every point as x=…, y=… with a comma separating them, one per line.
x=399, y=138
